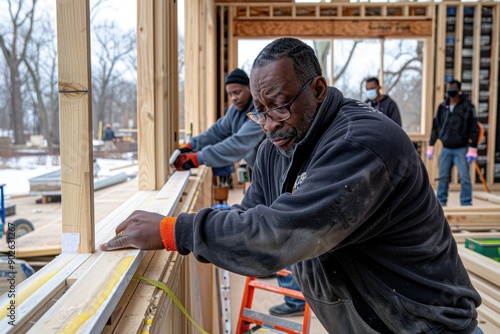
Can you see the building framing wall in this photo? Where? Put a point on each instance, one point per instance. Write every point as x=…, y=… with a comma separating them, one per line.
x=426, y=21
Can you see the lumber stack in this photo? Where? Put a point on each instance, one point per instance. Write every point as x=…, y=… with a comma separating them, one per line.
x=485, y=276
x=478, y=218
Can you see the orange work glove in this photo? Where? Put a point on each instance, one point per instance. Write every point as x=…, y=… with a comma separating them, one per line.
x=187, y=161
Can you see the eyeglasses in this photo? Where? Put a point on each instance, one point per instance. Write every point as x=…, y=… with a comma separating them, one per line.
x=280, y=114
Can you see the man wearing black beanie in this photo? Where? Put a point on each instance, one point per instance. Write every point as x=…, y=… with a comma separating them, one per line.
x=237, y=76
x=232, y=138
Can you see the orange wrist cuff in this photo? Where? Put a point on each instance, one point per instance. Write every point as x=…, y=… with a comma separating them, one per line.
x=167, y=232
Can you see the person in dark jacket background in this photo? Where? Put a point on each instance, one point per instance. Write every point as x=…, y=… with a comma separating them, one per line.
x=341, y=196
x=455, y=124
x=109, y=139
x=232, y=138
x=382, y=103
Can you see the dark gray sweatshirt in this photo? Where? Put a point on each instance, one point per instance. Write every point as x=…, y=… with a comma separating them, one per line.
x=354, y=213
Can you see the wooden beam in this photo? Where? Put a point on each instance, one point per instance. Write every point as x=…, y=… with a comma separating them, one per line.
x=146, y=84
x=333, y=28
x=34, y=292
x=173, y=134
x=472, y=218
x=488, y=197
x=480, y=265
x=494, y=99
x=471, y=209
x=91, y=300
x=462, y=235
x=192, y=58
x=75, y=110
x=118, y=319
x=164, y=144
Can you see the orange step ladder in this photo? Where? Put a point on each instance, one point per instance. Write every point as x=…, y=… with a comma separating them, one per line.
x=262, y=320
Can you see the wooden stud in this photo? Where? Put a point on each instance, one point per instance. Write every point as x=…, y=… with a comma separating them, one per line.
x=146, y=95
x=75, y=110
x=494, y=100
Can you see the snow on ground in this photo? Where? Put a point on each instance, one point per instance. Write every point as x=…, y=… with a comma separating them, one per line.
x=16, y=172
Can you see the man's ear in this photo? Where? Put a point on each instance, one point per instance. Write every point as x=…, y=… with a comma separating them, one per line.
x=320, y=88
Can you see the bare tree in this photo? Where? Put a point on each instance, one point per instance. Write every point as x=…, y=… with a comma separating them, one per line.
x=4, y=99
x=41, y=63
x=110, y=67
x=14, y=39
x=413, y=62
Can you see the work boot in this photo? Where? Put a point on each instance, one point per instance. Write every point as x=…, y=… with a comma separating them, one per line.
x=285, y=310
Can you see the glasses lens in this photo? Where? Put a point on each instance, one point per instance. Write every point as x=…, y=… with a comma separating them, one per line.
x=257, y=117
x=280, y=114
x=277, y=115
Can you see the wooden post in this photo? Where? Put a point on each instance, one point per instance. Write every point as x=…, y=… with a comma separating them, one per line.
x=494, y=97
x=145, y=95
x=75, y=109
x=192, y=54
x=157, y=90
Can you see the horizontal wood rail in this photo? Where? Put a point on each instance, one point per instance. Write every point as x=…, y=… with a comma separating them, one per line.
x=330, y=10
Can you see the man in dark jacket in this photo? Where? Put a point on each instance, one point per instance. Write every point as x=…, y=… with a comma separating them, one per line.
x=109, y=138
x=455, y=124
x=382, y=103
x=340, y=194
x=232, y=138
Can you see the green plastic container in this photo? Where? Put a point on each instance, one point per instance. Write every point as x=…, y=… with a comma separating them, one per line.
x=489, y=247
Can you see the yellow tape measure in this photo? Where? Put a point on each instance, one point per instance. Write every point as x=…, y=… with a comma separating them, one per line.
x=165, y=288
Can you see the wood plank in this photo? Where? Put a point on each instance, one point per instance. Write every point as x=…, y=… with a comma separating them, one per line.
x=141, y=307
x=167, y=315
x=489, y=315
x=75, y=113
x=480, y=265
x=471, y=209
x=108, y=277
x=333, y=28
x=137, y=316
x=494, y=97
x=146, y=96
x=489, y=292
x=106, y=228
x=487, y=197
x=166, y=89
x=90, y=301
x=117, y=318
x=460, y=236
x=34, y=292
x=192, y=54
x=473, y=218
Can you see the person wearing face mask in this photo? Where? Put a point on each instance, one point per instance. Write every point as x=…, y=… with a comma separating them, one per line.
x=232, y=138
x=339, y=194
x=382, y=103
x=455, y=124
